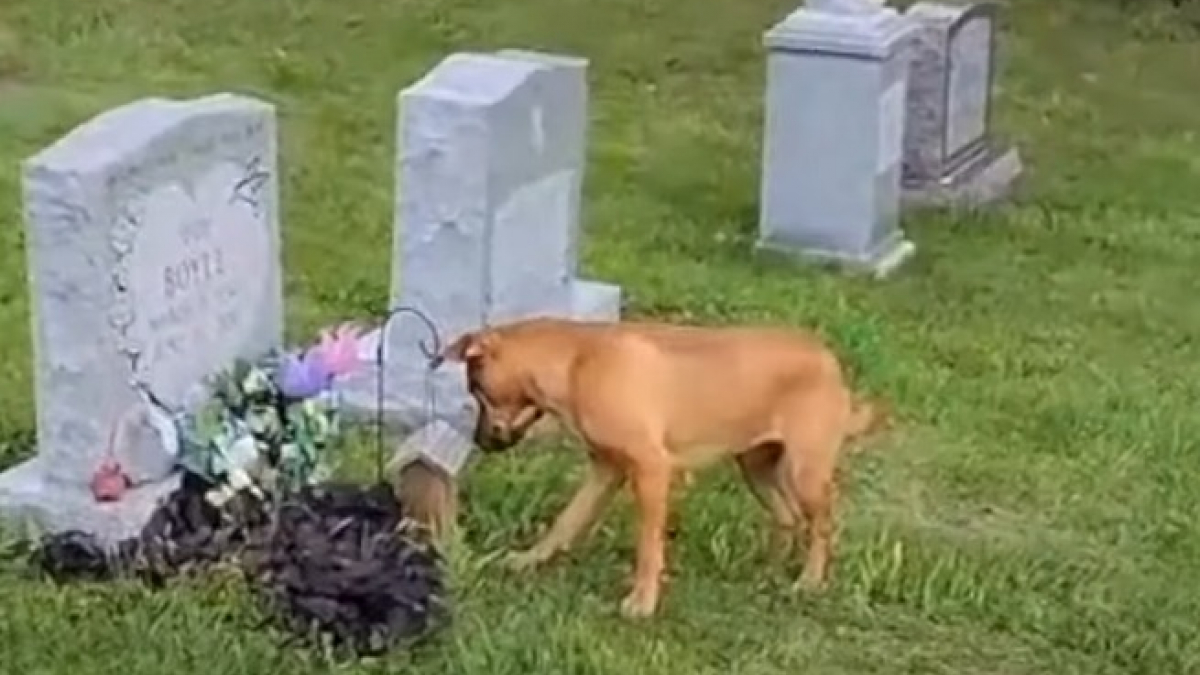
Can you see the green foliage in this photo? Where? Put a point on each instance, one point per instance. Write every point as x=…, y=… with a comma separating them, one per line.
x=248, y=435
x=1162, y=20
x=1035, y=511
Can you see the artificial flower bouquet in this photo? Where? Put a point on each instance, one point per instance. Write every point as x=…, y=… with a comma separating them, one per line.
x=267, y=425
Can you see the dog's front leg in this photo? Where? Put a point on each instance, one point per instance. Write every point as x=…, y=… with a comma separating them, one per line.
x=652, y=487
x=593, y=495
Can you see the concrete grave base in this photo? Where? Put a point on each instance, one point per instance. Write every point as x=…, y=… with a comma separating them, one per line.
x=405, y=403
x=595, y=301
x=31, y=498
x=983, y=183
x=879, y=262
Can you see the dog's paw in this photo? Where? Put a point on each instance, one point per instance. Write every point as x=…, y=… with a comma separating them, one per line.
x=809, y=584
x=521, y=561
x=638, y=605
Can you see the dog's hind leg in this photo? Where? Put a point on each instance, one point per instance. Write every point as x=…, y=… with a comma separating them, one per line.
x=759, y=467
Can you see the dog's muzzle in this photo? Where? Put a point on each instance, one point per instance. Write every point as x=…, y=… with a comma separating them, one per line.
x=492, y=437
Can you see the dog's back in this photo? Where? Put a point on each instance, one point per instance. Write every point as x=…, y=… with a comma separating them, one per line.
x=699, y=391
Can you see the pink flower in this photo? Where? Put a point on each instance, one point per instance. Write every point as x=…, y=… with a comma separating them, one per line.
x=338, y=349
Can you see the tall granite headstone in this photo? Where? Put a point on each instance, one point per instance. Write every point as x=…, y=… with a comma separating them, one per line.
x=836, y=82
x=949, y=156
x=153, y=255
x=489, y=188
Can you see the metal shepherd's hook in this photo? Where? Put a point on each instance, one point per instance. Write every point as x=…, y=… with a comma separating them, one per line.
x=431, y=350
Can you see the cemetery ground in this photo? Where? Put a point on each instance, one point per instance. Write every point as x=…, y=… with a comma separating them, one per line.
x=1034, y=510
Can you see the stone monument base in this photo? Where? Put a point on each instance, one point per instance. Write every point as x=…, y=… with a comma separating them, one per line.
x=879, y=262
x=405, y=399
x=595, y=301
x=30, y=498
x=978, y=184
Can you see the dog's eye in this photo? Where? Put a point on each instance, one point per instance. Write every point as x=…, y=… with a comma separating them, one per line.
x=473, y=386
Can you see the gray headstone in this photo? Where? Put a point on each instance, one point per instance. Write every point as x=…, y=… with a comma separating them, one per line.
x=489, y=189
x=153, y=246
x=836, y=82
x=948, y=154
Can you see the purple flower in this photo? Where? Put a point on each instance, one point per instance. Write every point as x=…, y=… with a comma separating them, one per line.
x=303, y=376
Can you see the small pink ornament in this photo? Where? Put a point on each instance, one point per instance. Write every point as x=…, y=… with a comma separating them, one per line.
x=338, y=349
x=109, y=483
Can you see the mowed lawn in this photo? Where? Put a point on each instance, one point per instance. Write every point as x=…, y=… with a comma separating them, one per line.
x=1035, y=511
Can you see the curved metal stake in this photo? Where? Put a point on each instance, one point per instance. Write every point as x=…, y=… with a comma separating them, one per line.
x=431, y=352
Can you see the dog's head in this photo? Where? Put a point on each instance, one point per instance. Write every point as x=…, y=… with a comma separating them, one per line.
x=497, y=379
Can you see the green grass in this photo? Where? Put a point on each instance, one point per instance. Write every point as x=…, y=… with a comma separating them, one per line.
x=1033, y=513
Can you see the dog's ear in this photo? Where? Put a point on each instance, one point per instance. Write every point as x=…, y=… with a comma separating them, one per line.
x=468, y=347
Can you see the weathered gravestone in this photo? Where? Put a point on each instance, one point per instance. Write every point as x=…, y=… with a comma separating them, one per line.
x=153, y=246
x=836, y=81
x=489, y=188
x=949, y=158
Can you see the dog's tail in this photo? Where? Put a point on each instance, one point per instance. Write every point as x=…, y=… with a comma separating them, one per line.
x=867, y=417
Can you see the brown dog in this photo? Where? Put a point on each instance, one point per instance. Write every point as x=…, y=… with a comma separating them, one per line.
x=651, y=400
